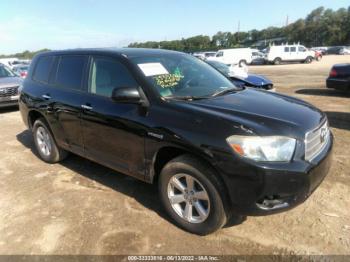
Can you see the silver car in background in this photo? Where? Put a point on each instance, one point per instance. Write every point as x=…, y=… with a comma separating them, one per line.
x=9, y=85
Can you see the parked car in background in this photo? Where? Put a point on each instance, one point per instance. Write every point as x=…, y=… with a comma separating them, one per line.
x=9, y=62
x=239, y=79
x=289, y=53
x=345, y=51
x=21, y=70
x=337, y=50
x=204, y=55
x=339, y=77
x=240, y=56
x=258, y=57
x=318, y=55
x=199, y=55
x=215, y=150
x=322, y=49
x=209, y=54
x=9, y=84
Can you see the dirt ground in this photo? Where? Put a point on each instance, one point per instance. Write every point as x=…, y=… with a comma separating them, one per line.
x=79, y=207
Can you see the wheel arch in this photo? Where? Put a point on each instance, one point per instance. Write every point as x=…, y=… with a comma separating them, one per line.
x=277, y=59
x=169, y=152
x=34, y=115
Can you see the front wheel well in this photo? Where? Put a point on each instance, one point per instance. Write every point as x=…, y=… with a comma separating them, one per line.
x=163, y=156
x=32, y=117
x=167, y=154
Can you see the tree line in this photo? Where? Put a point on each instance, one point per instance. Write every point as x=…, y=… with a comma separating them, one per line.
x=25, y=55
x=321, y=27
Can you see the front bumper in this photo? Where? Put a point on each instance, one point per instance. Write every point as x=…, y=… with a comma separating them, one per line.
x=264, y=190
x=8, y=101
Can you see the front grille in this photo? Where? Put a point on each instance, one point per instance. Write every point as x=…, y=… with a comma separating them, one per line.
x=316, y=140
x=8, y=91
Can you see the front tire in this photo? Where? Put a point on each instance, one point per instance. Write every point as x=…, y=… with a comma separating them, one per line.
x=46, y=144
x=189, y=191
x=308, y=60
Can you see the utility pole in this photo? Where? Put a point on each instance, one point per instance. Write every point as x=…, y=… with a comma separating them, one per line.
x=287, y=20
x=238, y=29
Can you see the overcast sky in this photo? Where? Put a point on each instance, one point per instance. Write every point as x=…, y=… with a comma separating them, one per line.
x=37, y=24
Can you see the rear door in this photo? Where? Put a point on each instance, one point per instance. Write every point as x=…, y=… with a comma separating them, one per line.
x=113, y=132
x=65, y=99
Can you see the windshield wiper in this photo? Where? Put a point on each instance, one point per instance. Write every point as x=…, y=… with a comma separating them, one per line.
x=188, y=98
x=226, y=91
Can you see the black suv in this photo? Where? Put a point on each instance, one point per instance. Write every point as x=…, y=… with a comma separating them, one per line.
x=215, y=150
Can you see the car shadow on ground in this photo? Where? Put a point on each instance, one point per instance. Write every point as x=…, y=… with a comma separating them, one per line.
x=339, y=120
x=9, y=109
x=144, y=193
x=322, y=92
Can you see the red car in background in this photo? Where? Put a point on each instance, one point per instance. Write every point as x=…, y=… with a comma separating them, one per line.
x=21, y=70
x=318, y=55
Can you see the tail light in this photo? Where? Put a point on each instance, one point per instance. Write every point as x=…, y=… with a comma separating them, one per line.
x=23, y=74
x=333, y=73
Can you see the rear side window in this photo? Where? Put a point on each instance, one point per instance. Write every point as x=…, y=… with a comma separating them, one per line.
x=107, y=74
x=43, y=68
x=293, y=49
x=286, y=49
x=70, y=72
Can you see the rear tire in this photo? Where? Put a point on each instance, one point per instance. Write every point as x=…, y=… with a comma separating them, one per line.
x=185, y=184
x=277, y=61
x=45, y=143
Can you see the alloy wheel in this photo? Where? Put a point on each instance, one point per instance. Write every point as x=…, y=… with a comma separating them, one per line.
x=188, y=198
x=43, y=141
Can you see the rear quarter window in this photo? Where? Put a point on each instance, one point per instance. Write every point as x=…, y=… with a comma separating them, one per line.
x=70, y=71
x=43, y=68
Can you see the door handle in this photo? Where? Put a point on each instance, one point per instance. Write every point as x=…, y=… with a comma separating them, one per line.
x=86, y=107
x=47, y=97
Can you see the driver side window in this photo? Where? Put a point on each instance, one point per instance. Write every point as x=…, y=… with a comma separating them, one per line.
x=107, y=74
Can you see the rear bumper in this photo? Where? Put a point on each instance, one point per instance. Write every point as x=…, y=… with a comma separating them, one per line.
x=272, y=190
x=340, y=84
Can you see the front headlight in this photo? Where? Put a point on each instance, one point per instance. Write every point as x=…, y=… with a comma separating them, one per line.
x=260, y=148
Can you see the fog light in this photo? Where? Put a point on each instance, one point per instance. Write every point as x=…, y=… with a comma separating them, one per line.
x=272, y=202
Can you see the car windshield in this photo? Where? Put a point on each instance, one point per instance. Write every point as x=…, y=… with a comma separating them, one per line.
x=5, y=72
x=180, y=75
x=224, y=69
x=23, y=68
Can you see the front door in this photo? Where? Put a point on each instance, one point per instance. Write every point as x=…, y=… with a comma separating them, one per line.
x=112, y=132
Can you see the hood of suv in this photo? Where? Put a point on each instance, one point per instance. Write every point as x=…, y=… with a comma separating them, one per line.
x=10, y=81
x=264, y=113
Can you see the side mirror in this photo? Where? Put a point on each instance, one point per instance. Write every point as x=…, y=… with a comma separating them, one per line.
x=126, y=95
